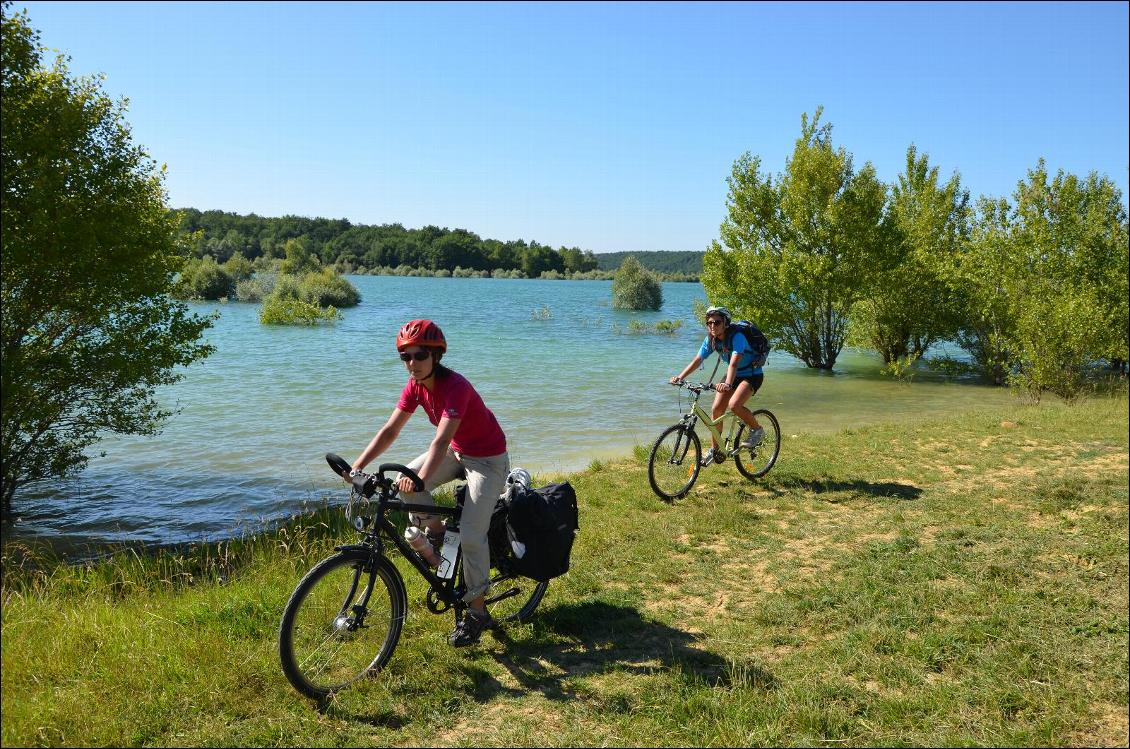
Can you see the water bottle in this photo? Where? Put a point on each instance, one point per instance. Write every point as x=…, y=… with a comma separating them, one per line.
x=448, y=552
x=419, y=541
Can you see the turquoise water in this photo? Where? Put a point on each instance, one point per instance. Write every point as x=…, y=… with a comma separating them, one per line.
x=258, y=415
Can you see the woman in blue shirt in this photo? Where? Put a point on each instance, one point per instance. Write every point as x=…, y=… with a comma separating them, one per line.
x=742, y=379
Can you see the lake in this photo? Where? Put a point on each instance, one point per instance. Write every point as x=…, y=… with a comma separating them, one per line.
x=558, y=366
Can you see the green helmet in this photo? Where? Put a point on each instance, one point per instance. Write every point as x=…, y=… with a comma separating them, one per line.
x=725, y=313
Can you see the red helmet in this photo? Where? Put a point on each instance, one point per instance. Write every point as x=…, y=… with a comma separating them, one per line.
x=420, y=333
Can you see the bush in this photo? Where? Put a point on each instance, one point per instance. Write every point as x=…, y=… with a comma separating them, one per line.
x=325, y=288
x=203, y=279
x=278, y=310
x=255, y=289
x=635, y=288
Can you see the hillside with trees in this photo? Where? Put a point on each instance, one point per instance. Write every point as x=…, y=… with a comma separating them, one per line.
x=392, y=249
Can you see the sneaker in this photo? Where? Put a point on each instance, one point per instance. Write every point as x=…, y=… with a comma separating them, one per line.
x=714, y=456
x=754, y=438
x=469, y=629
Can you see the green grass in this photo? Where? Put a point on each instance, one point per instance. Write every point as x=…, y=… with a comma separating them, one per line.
x=957, y=582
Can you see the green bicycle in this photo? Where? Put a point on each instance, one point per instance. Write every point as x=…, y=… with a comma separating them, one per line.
x=676, y=457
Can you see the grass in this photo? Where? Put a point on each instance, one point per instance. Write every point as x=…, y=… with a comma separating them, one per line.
x=955, y=582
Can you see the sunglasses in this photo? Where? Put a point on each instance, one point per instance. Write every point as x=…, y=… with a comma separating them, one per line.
x=418, y=356
x=713, y=322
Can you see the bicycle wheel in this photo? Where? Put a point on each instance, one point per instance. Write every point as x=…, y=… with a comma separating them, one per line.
x=342, y=622
x=674, y=463
x=513, y=598
x=755, y=462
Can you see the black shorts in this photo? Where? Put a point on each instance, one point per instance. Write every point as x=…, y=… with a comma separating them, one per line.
x=753, y=380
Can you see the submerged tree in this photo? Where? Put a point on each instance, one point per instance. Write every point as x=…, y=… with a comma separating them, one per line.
x=89, y=256
x=798, y=249
x=910, y=306
x=635, y=287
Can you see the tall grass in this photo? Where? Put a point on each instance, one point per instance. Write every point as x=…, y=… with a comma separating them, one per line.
x=957, y=582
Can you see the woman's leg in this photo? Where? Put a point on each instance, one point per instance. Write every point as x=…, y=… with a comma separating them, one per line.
x=742, y=393
x=486, y=480
x=449, y=470
x=720, y=402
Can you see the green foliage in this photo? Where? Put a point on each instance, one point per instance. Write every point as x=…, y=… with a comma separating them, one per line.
x=204, y=279
x=325, y=288
x=298, y=258
x=667, y=265
x=798, y=249
x=908, y=305
x=90, y=251
x=1044, y=283
x=278, y=310
x=1069, y=286
x=635, y=287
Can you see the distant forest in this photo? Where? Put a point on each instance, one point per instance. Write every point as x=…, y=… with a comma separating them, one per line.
x=393, y=249
x=658, y=261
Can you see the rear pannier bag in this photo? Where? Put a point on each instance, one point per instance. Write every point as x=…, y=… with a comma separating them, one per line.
x=543, y=522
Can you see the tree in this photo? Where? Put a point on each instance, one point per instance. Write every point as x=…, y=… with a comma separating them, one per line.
x=89, y=255
x=635, y=287
x=1069, y=281
x=909, y=305
x=798, y=249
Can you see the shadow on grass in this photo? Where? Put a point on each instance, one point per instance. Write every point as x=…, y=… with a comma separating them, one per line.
x=592, y=638
x=880, y=490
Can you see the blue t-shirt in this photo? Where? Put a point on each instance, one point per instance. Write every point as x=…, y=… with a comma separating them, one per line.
x=741, y=349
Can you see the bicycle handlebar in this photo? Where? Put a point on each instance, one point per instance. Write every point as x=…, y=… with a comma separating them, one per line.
x=366, y=483
x=694, y=387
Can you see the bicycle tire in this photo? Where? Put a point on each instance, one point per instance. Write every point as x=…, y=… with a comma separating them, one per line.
x=324, y=645
x=753, y=463
x=670, y=470
x=504, y=605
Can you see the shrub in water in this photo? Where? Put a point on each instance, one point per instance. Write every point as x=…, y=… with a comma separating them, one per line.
x=635, y=288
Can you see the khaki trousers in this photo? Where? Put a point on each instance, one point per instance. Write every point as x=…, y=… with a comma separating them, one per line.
x=486, y=480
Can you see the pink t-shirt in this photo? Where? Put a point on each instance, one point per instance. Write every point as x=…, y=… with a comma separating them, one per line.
x=478, y=435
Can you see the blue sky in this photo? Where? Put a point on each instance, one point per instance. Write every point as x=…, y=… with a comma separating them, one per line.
x=605, y=126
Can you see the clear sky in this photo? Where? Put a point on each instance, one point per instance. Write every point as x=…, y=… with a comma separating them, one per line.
x=604, y=126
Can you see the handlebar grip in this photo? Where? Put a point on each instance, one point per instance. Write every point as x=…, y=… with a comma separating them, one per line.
x=338, y=464
x=417, y=482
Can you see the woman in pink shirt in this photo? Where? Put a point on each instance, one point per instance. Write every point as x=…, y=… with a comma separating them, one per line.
x=468, y=444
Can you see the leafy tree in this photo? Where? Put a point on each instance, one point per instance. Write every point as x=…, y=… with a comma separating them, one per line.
x=798, y=249
x=980, y=275
x=298, y=258
x=635, y=288
x=89, y=254
x=909, y=305
x=1068, y=284
x=204, y=279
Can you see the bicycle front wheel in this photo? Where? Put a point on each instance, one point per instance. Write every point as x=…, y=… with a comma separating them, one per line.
x=513, y=598
x=674, y=463
x=755, y=462
x=342, y=622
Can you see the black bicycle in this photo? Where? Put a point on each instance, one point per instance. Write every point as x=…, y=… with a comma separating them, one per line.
x=344, y=619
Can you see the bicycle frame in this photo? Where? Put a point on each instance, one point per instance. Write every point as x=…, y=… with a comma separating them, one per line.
x=697, y=413
x=449, y=591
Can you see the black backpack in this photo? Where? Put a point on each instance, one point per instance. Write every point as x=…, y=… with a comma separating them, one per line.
x=757, y=340
x=544, y=521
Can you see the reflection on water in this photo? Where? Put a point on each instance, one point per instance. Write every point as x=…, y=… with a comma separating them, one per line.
x=568, y=385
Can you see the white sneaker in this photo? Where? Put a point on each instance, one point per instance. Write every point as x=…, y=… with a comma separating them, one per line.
x=754, y=438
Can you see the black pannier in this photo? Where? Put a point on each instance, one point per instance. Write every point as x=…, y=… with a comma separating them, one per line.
x=540, y=526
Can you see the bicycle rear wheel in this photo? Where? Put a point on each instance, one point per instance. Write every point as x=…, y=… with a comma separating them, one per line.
x=513, y=598
x=755, y=462
x=674, y=463
x=342, y=622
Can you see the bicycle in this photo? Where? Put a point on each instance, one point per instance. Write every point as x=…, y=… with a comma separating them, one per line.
x=676, y=457
x=344, y=619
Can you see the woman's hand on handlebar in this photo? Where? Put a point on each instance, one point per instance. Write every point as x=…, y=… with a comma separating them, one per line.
x=722, y=387
x=406, y=485
x=676, y=380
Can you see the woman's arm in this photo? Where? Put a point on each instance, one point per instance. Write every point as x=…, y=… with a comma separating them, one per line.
x=688, y=369
x=385, y=437
x=436, y=452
